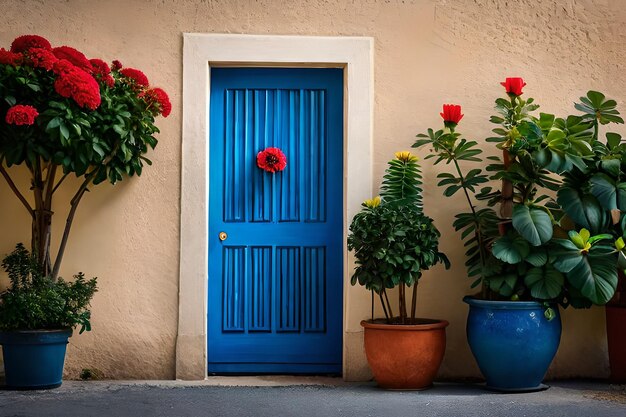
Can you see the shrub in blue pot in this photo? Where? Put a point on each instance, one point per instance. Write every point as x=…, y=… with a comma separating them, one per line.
x=37, y=316
x=61, y=115
x=534, y=253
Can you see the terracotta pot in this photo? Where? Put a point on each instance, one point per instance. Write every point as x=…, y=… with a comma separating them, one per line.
x=616, y=338
x=405, y=356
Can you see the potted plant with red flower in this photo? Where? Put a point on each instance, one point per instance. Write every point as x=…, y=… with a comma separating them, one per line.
x=61, y=114
x=535, y=252
x=394, y=242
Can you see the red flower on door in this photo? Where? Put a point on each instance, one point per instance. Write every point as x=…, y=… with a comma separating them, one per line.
x=271, y=160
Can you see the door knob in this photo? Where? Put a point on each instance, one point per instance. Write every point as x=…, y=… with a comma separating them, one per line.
x=223, y=236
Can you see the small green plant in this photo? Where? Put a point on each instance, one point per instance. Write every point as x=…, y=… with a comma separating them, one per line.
x=393, y=240
x=35, y=302
x=91, y=374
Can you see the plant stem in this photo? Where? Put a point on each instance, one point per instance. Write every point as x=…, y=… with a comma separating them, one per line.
x=60, y=182
x=478, y=233
x=414, y=302
x=401, y=303
x=388, y=306
x=70, y=218
x=382, y=302
x=15, y=190
x=506, y=198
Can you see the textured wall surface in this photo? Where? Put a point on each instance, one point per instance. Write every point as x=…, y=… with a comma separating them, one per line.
x=426, y=53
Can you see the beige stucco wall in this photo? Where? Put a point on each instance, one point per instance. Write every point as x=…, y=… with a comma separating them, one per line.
x=426, y=53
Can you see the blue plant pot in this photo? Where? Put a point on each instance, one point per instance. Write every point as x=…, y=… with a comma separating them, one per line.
x=34, y=359
x=512, y=342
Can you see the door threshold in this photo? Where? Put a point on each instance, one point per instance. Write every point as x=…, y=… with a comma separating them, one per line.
x=274, y=381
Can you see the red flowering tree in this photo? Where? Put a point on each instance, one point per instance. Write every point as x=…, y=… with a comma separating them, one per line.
x=63, y=114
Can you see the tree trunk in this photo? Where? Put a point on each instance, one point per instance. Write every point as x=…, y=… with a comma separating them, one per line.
x=41, y=234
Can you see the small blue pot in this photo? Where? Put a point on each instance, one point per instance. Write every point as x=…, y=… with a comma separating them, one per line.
x=512, y=342
x=34, y=359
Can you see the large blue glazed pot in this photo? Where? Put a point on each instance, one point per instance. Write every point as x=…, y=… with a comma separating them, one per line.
x=512, y=342
x=34, y=359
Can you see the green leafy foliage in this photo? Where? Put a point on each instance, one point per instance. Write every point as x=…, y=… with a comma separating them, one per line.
x=392, y=239
x=34, y=302
x=595, y=106
x=519, y=253
x=402, y=182
x=109, y=142
x=393, y=243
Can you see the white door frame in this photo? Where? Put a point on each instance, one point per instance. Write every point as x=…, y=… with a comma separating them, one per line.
x=200, y=52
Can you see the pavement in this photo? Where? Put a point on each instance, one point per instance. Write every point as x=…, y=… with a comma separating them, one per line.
x=308, y=396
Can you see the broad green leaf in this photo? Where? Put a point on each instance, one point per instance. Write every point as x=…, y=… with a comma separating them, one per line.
x=613, y=139
x=511, y=248
x=595, y=277
x=503, y=284
x=567, y=255
x=583, y=210
x=538, y=256
x=533, y=224
x=612, y=166
x=545, y=283
x=577, y=239
x=603, y=188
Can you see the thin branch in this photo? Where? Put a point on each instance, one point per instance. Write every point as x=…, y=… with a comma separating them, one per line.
x=388, y=304
x=60, y=182
x=70, y=218
x=13, y=187
x=414, y=302
x=382, y=302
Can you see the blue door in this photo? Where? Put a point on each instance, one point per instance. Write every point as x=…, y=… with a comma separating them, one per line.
x=276, y=239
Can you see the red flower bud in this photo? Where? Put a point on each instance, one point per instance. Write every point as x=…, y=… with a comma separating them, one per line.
x=513, y=86
x=451, y=114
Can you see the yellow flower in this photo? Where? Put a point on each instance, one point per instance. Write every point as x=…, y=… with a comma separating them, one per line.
x=619, y=244
x=374, y=202
x=405, y=156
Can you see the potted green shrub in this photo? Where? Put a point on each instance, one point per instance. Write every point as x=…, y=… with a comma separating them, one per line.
x=600, y=189
x=534, y=253
x=62, y=115
x=393, y=242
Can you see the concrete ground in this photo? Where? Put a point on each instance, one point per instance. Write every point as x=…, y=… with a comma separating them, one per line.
x=305, y=396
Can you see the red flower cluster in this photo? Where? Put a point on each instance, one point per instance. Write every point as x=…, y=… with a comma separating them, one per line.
x=80, y=78
x=137, y=76
x=20, y=115
x=271, y=160
x=451, y=114
x=160, y=97
x=78, y=84
x=513, y=86
x=74, y=56
x=10, y=58
x=26, y=42
x=102, y=71
x=42, y=58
